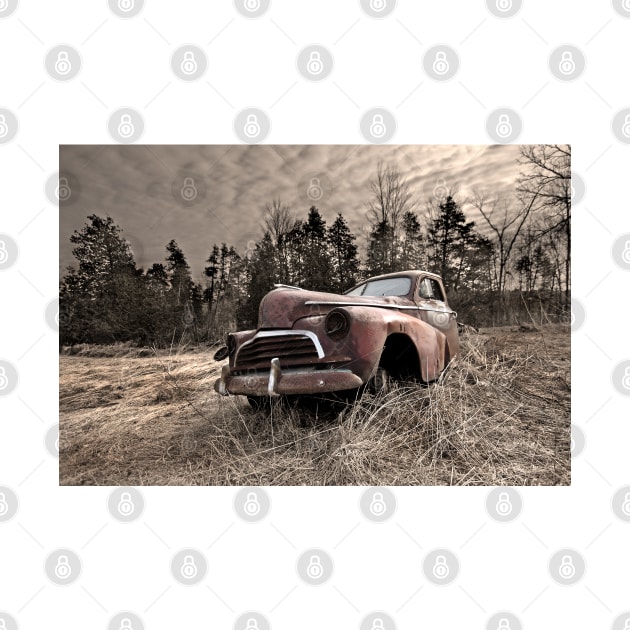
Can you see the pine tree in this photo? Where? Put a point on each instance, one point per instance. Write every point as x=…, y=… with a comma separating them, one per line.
x=412, y=254
x=182, y=295
x=100, y=300
x=260, y=278
x=222, y=295
x=344, y=260
x=104, y=256
x=316, y=255
x=449, y=238
x=380, y=258
x=211, y=271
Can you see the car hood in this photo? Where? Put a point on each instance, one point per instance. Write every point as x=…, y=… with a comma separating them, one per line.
x=281, y=307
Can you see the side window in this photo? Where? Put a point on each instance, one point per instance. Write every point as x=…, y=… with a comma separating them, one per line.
x=430, y=289
x=436, y=290
x=424, y=290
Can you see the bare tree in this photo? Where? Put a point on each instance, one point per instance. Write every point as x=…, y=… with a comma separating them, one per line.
x=279, y=223
x=506, y=223
x=278, y=220
x=546, y=179
x=390, y=200
x=390, y=197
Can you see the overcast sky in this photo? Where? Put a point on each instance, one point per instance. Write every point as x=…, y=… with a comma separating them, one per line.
x=140, y=187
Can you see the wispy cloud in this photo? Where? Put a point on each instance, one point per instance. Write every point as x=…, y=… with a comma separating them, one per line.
x=140, y=186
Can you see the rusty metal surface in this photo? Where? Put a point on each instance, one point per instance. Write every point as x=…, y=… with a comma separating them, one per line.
x=295, y=382
x=291, y=352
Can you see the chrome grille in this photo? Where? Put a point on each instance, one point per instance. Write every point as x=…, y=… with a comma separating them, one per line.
x=290, y=349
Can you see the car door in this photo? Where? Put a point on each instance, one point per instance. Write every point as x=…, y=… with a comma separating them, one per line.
x=432, y=305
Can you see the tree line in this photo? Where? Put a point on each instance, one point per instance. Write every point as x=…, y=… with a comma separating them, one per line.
x=514, y=263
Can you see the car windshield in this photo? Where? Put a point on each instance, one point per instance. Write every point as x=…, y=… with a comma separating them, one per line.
x=387, y=286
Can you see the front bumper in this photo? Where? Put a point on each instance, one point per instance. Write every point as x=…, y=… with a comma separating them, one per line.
x=277, y=382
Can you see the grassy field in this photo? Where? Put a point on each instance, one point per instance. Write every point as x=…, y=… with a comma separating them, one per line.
x=501, y=416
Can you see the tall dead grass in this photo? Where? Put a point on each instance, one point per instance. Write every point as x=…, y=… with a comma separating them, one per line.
x=500, y=415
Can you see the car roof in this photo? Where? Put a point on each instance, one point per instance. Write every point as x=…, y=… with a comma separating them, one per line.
x=409, y=272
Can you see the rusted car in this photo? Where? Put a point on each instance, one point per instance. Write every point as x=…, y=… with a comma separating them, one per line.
x=395, y=326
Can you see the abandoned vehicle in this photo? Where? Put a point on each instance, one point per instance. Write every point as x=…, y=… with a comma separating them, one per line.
x=395, y=326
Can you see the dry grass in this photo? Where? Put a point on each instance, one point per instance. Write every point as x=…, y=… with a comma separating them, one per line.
x=500, y=417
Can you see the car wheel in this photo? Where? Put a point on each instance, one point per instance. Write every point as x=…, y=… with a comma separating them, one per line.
x=380, y=381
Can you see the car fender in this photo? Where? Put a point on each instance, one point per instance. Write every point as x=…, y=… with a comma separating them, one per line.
x=366, y=341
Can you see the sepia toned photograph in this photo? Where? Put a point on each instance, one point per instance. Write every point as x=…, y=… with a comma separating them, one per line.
x=258, y=315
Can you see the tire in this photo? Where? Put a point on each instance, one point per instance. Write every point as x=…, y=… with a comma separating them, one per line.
x=379, y=382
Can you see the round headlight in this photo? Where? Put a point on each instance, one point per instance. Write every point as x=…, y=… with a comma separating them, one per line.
x=337, y=324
